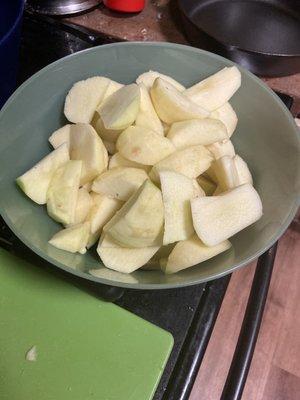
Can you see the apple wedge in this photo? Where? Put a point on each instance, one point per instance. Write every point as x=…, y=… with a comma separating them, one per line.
x=191, y=252
x=63, y=191
x=83, y=206
x=173, y=106
x=191, y=162
x=147, y=116
x=73, y=239
x=139, y=222
x=118, y=161
x=121, y=108
x=226, y=172
x=83, y=99
x=221, y=149
x=123, y=259
x=143, y=145
x=177, y=192
x=119, y=183
x=148, y=78
x=113, y=86
x=35, y=182
x=207, y=185
x=227, y=115
x=217, y=218
x=60, y=136
x=87, y=146
x=243, y=172
x=110, y=135
x=197, y=131
x=214, y=91
x=102, y=210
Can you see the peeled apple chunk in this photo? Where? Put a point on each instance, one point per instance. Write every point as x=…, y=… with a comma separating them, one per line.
x=60, y=136
x=139, y=222
x=173, y=106
x=221, y=149
x=35, y=182
x=214, y=91
x=73, y=239
x=143, y=145
x=118, y=161
x=102, y=210
x=86, y=145
x=227, y=115
x=147, y=116
x=123, y=259
x=119, y=183
x=243, y=172
x=192, y=252
x=177, y=191
x=84, y=97
x=113, y=86
x=226, y=172
x=148, y=78
x=83, y=206
x=191, y=162
x=63, y=191
x=121, y=108
x=197, y=131
x=217, y=218
x=207, y=185
x=110, y=135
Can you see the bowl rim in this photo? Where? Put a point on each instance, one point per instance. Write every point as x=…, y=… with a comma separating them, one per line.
x=157, y=286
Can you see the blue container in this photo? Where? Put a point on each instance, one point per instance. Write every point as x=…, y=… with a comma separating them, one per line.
x=11, y=12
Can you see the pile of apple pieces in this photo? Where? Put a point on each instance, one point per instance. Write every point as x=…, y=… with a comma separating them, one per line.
x=149, y=169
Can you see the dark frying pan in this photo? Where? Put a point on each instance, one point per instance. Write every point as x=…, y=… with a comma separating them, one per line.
x=261, y=35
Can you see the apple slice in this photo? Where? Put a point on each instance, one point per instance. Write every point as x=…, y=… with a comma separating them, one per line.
x=207, y=185
x=173, y=106
x=148, y=78
x=226, y=173
x=177, y=191
x=63, y=191
x=106, y=134
x=88, y=186
x=191, y=162
x=35, y=182
x=217, y=218
x=73, y=239
x=214, y=91
x=119, y=183
x=139, y=222
x=244, y=174
x=143, y=145
x=121, y=108
x=221, y=149
x=83, y=206
x=123, y=259
x=147, y=116
x=86, y=145
x=197, y=131
x=102, y=210
x=113, y=86
x=84, y=97
x=227, y=115
x=198, y=191
x=60, y=136
x=191, y=252
x=118, y=161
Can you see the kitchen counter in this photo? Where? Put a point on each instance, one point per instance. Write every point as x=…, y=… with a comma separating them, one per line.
x=159, y=21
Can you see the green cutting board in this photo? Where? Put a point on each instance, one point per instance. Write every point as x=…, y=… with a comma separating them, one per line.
x=86, y=348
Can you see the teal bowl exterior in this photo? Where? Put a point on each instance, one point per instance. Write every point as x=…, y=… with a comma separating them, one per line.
x=266, y=137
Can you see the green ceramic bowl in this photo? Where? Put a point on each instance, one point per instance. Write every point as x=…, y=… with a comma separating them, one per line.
x=266, y=137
